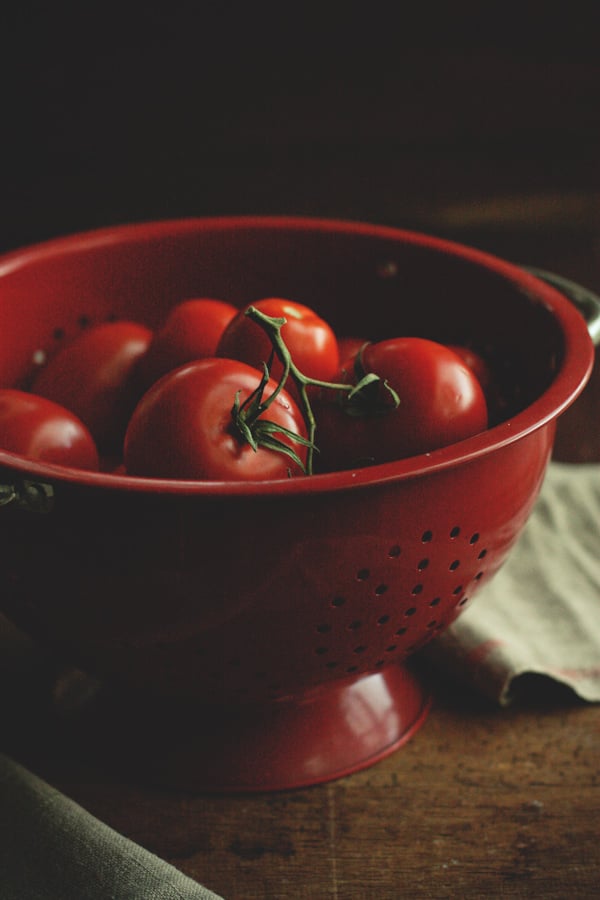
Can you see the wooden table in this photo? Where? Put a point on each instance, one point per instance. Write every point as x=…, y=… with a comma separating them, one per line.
x=482, y=802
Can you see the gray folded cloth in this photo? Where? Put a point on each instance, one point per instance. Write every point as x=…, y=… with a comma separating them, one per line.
x=52, y=849
x=540, y=613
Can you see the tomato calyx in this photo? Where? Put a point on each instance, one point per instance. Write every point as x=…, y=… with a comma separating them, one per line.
x=259, y=432
x=371, y=395
x=272, y=325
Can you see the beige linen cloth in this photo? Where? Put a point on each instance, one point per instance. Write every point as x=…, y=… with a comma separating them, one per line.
x=540, y=614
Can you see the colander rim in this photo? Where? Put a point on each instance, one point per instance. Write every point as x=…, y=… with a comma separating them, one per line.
x=569, y=381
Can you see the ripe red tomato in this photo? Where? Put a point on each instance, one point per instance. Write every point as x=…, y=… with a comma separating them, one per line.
x=183, y=427
x=311, y=341
x=349, y=347
x=476, y=364
x=91, y=376
x=192, y=330
x=40, y=429
x=441, y=402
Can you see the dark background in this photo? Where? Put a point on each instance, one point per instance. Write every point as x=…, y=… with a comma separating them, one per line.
x=473, y=121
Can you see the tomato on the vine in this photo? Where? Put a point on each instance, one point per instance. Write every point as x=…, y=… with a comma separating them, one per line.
x=310, y=340
x=199, y=422
x=92, y=376
x=35, y=427
x=191, y=330
x=425, y=398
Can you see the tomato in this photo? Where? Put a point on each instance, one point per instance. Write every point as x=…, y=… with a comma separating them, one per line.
x=311, y=341
x=440, y=402
x=476, y=363
x=498, y=403
x=191, y=331
x=349, y=347
x=183, y=427
x=40, y=429
x=91, y=376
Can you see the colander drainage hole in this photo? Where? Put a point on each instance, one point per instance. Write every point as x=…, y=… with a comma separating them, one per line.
x=354, y=625
x=362, y=574
x=39, y=357
x=394, y=552
x=410, y=611
x=387, y=269
x=422, y=564
x=436, y=601
x=383, y=620
x=323, y=629
x=380, y=589
x=455, y=532
x=338, y=601
x=454, y=565
x=427, y=537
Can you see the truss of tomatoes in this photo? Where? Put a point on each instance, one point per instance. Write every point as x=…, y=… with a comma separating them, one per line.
x=266, y=392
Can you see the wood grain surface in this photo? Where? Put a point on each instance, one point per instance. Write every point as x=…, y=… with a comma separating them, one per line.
x=482, y=802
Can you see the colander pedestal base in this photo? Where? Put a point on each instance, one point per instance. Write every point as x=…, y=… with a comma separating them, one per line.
x=335, y=730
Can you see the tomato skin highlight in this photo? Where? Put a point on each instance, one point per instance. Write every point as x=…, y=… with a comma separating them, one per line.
x=191, y=330
x=311, y=341
x=182, y=427
x=40, y=429
x=441, y=402
x=92, y=376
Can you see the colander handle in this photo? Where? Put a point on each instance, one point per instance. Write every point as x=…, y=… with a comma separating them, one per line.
x=585, y=300
x=32, y=496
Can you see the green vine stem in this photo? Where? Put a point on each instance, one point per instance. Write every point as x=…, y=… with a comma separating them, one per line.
x=256, y=405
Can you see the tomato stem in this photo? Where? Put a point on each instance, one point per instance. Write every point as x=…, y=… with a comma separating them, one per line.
x=272, y=326
x=259, y=432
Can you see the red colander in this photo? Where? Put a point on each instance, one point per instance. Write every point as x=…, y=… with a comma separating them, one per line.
x=263, y=629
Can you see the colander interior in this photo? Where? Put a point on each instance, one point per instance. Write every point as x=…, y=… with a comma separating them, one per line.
x=367, y=281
